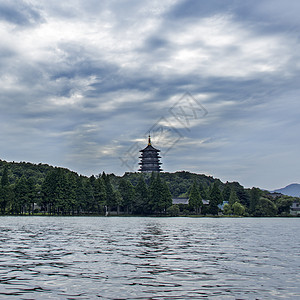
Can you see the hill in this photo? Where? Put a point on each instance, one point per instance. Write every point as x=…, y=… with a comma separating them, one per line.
x=292, y=190
x=18, y=169
x=27, y=188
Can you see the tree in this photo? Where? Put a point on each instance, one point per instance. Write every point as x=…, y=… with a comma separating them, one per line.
x=215, y=194
x=283, y=204
x=226, y=192
x=215, y=199
x=202, y=191
x=227, y=209
x=100, y=193
x=166, y=196
x=80, y=195
x=5, y=190
x=238, y=209
x=90, y=205
x=213, y=207
x=32, y=194
x=243, y=196
x=71, y=203
x=49, y=192
x=255, y=194
x=265, y=208
x=173, y=210
x=55, y=192
x=110, y=195
x=153, y=194
x=126, y=190
x=141, y=196
x=160, y=197
x=241, y=193
x=62, y=190
x=233, y=198
x=119, y=200
x=195, y=200
x=4, y=178
x=21, y=196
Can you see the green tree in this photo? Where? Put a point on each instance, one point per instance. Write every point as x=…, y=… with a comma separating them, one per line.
x=141, y=196
x=71, y=204
x=213, y=207
x=100, y=193
x=126, y=190
x=32, y=195
x=89, y=197
x=243, y=196
x=4, y=178
x=166, y=196
x=55, y=192
x=80, y=195
x=153, y=194
x=215, y=194
x=110, y=195
x=21, y=196
x=62, y=192
x=119, y=200
x=233, y=198
x=173, y=210
x=5, y=190
x=226, y=192
x=265, y=208
x=160, y=197
x=238, y=209
x=202, y=191
x=195, y=200
x=215, y=199
x=227, y=209
x=255, y=194
x=283, y=204
x=49, y=192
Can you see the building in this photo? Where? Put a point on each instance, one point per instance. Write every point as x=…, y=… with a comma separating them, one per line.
x=295, y=208
x=150, y=159
x=186, y=201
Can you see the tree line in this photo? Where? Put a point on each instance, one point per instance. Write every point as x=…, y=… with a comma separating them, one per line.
x=41, y=189
x=64, y=192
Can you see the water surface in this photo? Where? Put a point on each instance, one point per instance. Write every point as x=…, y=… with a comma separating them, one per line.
x=149, y=258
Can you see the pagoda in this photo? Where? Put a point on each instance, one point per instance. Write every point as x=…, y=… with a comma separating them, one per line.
x=150, y=159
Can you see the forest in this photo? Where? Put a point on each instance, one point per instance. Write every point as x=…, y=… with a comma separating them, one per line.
x=40, y=189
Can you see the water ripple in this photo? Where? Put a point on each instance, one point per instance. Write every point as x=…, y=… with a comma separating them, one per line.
x=149, y=258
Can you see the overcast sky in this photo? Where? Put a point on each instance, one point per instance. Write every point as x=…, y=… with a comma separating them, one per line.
x=216, y=82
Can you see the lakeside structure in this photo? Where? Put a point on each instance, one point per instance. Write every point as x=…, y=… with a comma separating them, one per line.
x=150, y=159
x=295, y=209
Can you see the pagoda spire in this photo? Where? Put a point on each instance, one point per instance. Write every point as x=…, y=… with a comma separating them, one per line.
x=149, y=140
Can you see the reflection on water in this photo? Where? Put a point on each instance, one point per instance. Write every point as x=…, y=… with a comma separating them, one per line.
x=149, y=258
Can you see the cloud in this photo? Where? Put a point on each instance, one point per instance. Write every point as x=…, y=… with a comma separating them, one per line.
x=82, y=82
x=20, y=13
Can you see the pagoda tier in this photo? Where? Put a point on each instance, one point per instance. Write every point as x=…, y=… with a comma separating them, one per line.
x=150, y=159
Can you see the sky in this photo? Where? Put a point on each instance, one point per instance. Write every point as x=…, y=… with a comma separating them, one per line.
x=216, y=83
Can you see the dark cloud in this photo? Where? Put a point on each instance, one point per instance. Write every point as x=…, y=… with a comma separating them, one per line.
x=19, y=13
x=189, y=10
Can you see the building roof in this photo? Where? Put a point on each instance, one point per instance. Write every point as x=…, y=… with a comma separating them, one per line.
x=186, y=201
x=180, y=201
x=149, y=146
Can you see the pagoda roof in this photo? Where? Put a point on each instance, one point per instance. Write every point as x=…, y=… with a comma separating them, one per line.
x=149, y=148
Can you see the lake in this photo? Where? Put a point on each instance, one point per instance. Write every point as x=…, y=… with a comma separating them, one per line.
x=149, y=258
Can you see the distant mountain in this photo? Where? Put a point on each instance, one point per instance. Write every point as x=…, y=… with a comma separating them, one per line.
x=290, y=190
